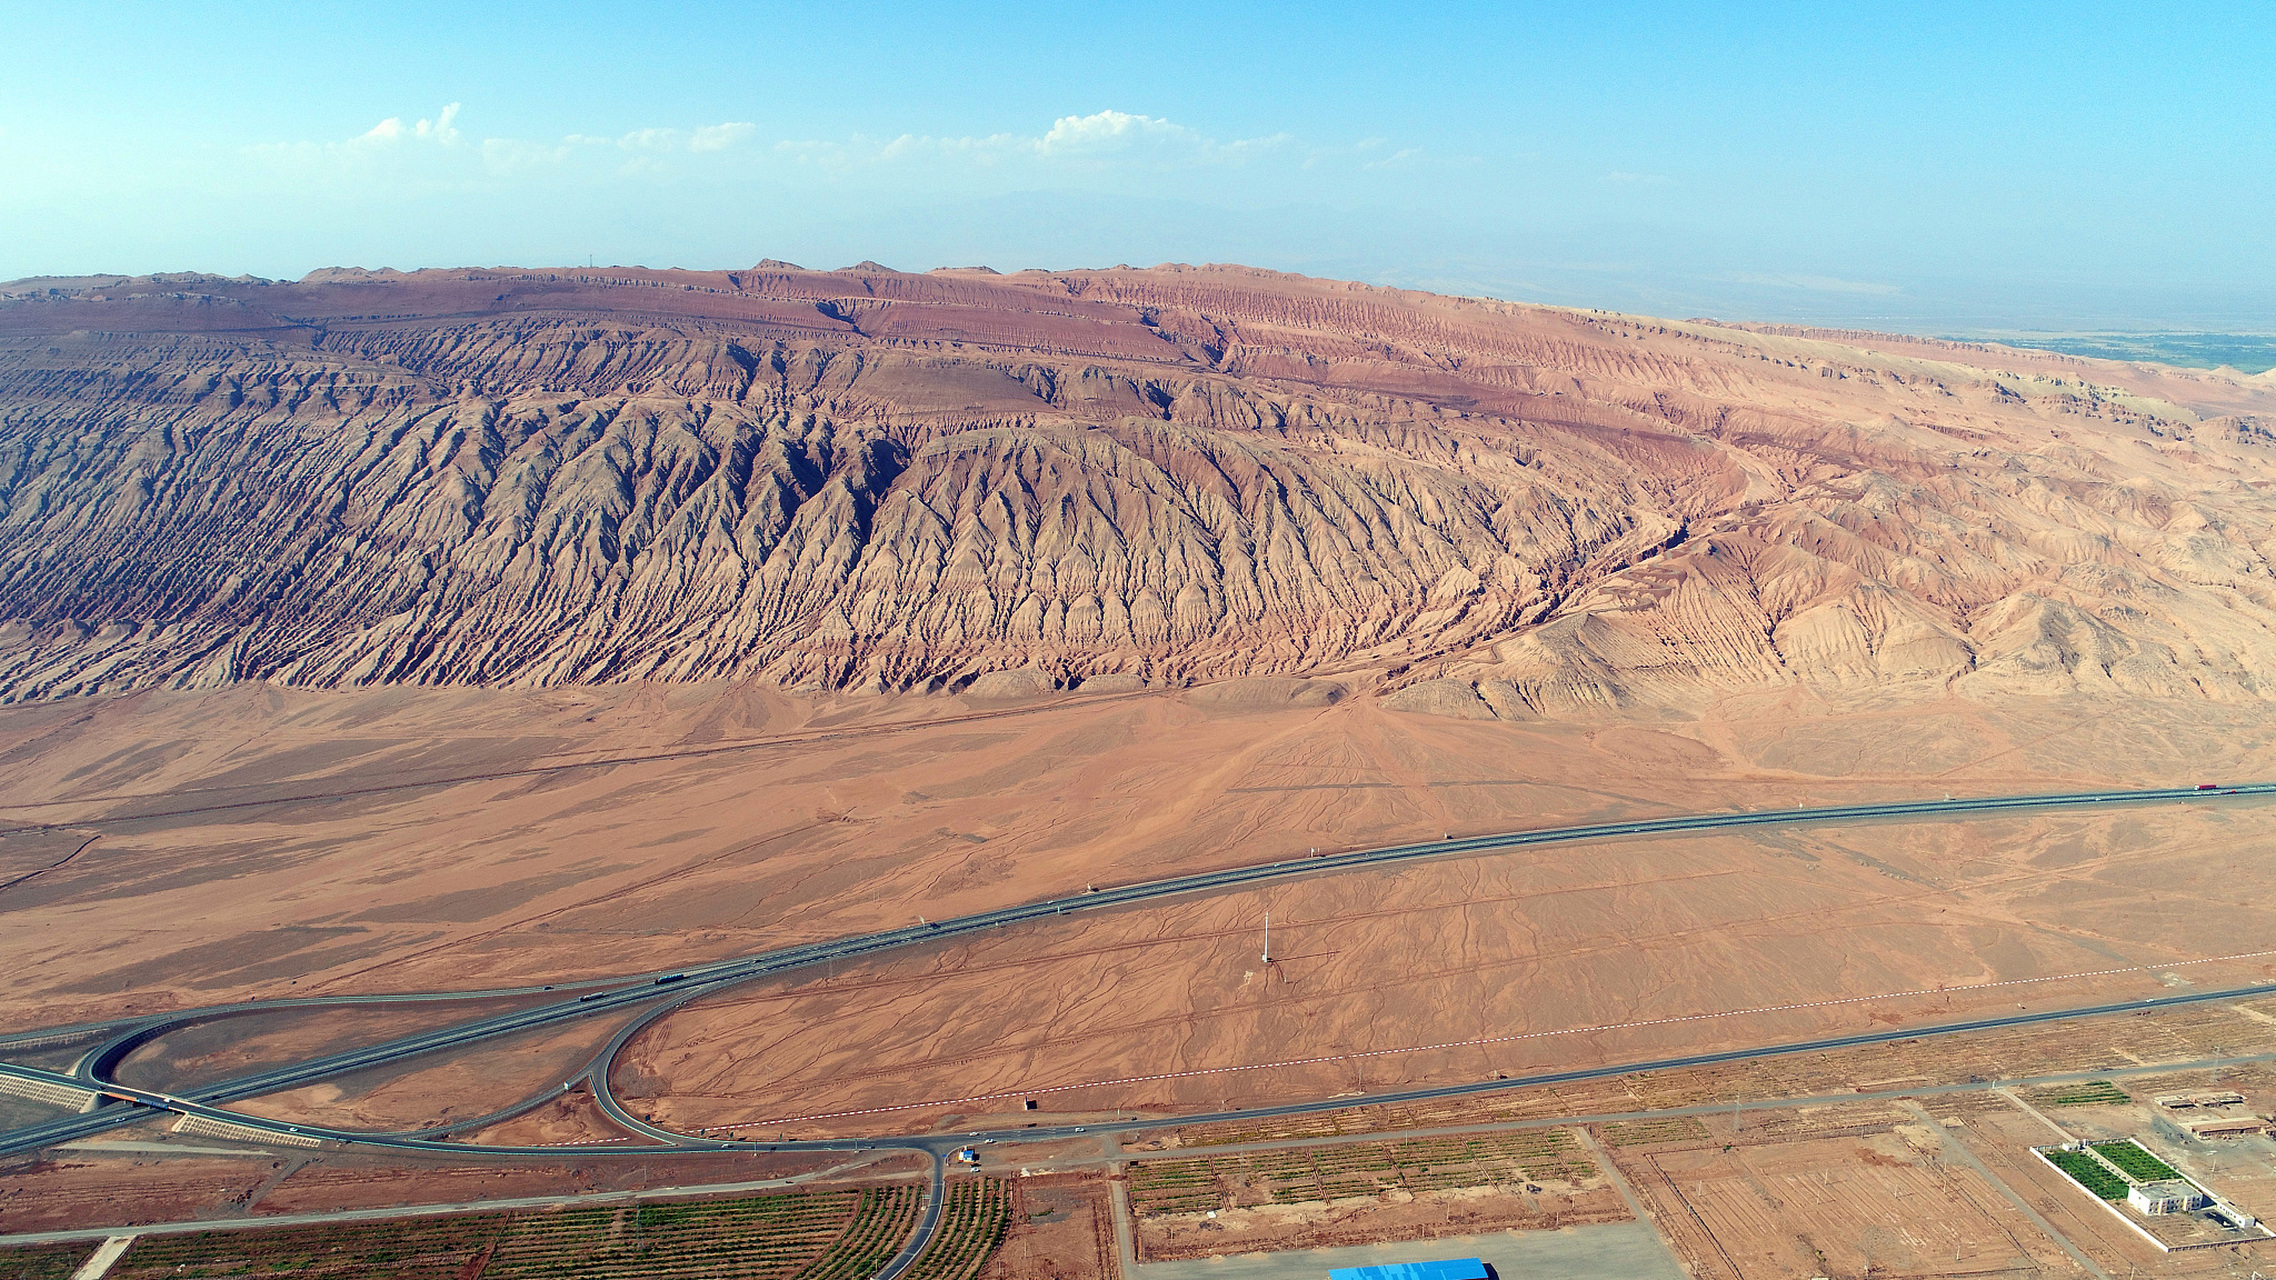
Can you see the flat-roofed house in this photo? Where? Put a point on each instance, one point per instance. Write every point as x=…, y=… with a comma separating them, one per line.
x=2171, y=1195
x=2226, y=1127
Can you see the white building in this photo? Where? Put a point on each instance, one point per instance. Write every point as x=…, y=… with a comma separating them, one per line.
x=2173, y=1195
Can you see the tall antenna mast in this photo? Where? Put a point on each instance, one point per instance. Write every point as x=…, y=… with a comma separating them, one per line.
x=1268, y=935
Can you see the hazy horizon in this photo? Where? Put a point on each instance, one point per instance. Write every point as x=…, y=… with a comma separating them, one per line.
x=2043, y=168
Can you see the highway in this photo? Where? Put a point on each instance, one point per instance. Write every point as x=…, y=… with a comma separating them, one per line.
x=935, y=1196
x=938, y=1146
x=642, y=998
x=942, y=1143
x=645, y=995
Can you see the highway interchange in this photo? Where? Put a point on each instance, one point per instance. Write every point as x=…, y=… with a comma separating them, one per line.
x=643, y=998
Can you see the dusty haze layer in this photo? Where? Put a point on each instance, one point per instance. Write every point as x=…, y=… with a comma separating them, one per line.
x=876, y=481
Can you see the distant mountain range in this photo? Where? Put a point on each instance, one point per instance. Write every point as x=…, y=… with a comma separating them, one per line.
x=2248, y=353
x=875, y=481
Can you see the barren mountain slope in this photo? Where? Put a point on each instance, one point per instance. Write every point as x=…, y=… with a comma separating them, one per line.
x=871, y=480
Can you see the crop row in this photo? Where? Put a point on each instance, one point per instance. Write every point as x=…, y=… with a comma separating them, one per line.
x=1171, y=1173
x=1542, y=1142
x=43, y=1262
x=775, y=1237
x=767, y=1237
x=2129, y=1156
x=972, y=1225
x=2088, y=1172
x=1629, y=1133
x=1360, y=1168
x=886, y=1217
x=2093, y=1093
x=413, y=1249
x=1346, y=1123
x=1187, y=1202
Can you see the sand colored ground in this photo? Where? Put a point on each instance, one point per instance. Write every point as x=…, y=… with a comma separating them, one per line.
x=79, y=1189
x=1847, y=1191
x=240, y=1044
x=1061, y=1229
x=2118, y=1046
x=205, y=885
x=2001, y=1135
x=1885, y=1186
x=572, y=1117
x=260, y=843
x=1496, y=955
x=445, y=1089
x=1391, y=1216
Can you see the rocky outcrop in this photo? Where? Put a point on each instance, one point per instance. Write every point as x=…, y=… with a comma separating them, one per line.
x=1458, y=699
x=1010, y=485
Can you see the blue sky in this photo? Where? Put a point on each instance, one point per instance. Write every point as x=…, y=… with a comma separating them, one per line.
x=1926, y=166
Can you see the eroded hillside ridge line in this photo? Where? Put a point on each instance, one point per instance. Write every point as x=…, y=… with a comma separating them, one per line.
x=875, y=481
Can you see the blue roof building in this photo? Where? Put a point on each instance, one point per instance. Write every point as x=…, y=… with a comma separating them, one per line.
x=1452, y=1269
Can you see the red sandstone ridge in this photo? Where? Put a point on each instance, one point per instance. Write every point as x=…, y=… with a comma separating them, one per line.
x=872, y=480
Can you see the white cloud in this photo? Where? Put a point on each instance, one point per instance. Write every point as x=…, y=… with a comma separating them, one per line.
x=1113, y=130
x=512, y=155
x=1111, y=134
x=390, y=144
x=440, y=129
x=1105, y=149
x=710, y=137
x=719, y=137
x=1100, y=142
